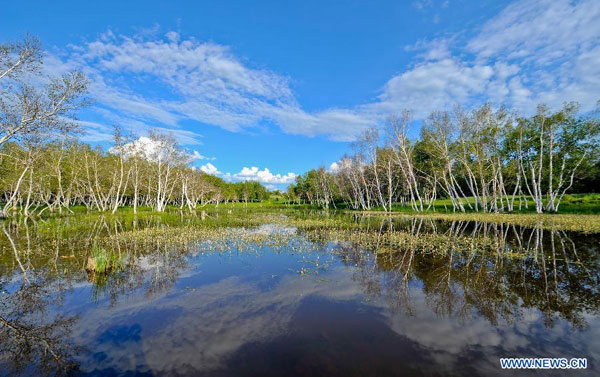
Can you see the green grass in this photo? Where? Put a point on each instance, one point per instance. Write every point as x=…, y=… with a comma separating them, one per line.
x=578, y=212
x=103, y=261
x=574, y=203
x=569, y=222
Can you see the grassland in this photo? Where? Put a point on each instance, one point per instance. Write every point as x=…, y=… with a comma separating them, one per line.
x=571, y=204
x=568, y=222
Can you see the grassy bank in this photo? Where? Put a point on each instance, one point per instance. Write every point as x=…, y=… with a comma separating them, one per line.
x=569, y=222
x=571, y=204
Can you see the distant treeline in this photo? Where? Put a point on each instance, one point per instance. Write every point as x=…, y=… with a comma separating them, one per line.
x=481, y=160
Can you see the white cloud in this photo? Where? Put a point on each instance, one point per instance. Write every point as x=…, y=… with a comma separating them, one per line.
x=211, y=169
x=436, y=49
x=264, y=176
x=144, y=146
x=338, y=124
x=252, y=174
x=539, y=31
x=146, y=81
x=344, y=163
x=195, y=155
x=434, y=85
x=531, y=52
x=152, y=149
x=511, y=60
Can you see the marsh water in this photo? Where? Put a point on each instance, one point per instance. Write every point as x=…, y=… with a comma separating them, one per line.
x=292, y=293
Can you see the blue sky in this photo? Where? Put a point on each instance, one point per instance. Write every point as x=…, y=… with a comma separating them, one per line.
x=287, y=85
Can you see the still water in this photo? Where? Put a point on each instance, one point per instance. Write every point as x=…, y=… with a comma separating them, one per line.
x=288, y=299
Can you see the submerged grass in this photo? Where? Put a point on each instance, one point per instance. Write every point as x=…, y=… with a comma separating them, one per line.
x=576, y=223
x=571, y=204
x=302, y=234
x=223, y=239
x=400, y=242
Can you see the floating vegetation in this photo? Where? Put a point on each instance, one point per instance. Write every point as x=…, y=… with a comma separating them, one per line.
x=302, y=235
x=201, y=240
x=576, y=223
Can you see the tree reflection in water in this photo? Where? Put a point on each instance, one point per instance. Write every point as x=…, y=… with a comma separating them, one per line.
x=31, y=339
x=34, y=338
x=464, y=269
x=526, y=268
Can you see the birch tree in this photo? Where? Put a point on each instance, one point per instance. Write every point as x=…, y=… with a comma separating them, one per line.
x=30, y=102
x=403, y=152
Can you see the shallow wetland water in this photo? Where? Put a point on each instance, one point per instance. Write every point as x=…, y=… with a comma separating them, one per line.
x=292, y=293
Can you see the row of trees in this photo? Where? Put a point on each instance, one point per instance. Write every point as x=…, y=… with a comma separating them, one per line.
x=53, y=176
x=43, y=167
x=483, y=160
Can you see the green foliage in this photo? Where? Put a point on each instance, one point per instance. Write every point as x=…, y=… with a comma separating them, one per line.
x=571, y=204
x=54, y=176
x=250, y=191
x=486, y=159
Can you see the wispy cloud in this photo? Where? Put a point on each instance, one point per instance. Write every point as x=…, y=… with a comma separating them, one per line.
x=146, y=82
x=195, y=155
x=532, y=52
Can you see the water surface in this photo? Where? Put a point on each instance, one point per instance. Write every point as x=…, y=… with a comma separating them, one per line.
x=291, y=294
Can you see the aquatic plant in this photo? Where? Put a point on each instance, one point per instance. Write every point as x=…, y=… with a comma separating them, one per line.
x=102, y=261
x=575, y=223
